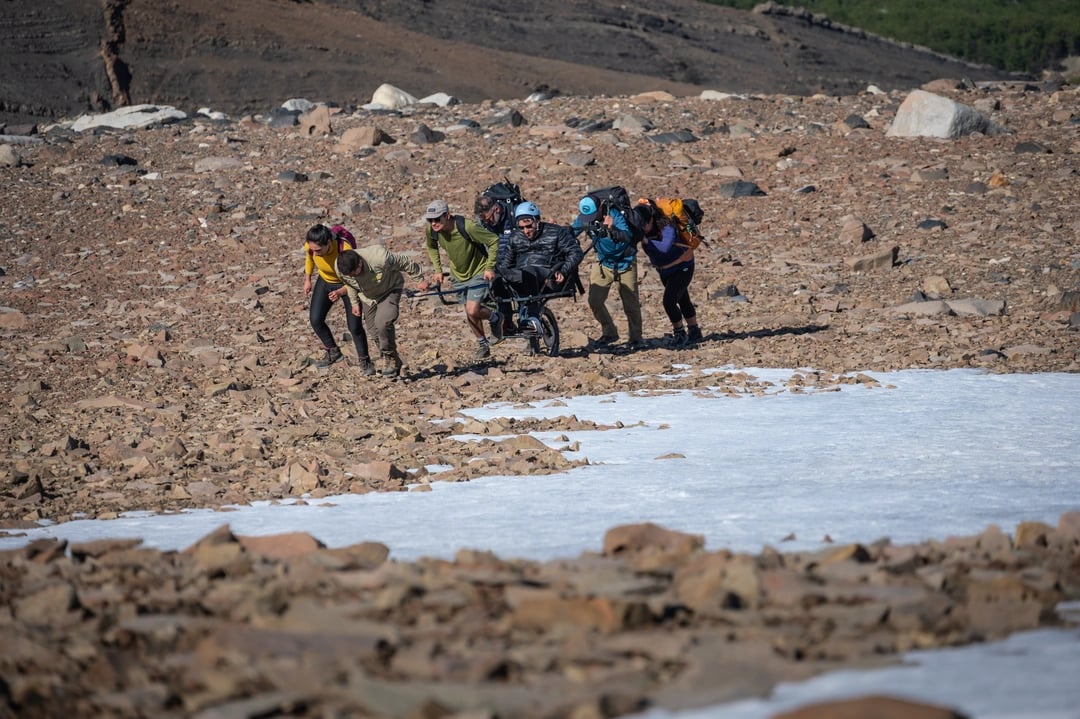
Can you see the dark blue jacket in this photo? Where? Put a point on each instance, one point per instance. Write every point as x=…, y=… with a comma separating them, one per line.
x=554, y=248
x=664, y=252
x=504, y=226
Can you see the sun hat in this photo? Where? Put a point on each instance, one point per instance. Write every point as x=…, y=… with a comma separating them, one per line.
x=436, y=209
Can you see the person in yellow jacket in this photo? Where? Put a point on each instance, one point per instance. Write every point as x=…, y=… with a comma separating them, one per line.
x=323, y=245
x=373, y=280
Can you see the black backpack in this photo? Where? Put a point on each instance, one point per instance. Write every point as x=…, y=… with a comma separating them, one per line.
x=617, y=197
x=504, y=191
x=693, y=208
x=508, y=195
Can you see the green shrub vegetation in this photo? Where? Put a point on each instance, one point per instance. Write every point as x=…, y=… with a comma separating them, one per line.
x=1016, y=35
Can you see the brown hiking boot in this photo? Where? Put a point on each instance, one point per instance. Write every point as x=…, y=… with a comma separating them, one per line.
x=333, y=354
x=602, y=341
x=367, y=368
x=392, y=365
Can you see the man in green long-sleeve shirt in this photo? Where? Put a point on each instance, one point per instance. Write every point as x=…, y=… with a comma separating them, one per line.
x=471, y=251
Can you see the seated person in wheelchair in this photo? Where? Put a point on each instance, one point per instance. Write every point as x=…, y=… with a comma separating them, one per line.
x=538, y=258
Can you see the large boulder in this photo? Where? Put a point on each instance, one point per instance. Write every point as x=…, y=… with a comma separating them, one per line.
x=132, y=116
x=391, y=98
x=924, y=114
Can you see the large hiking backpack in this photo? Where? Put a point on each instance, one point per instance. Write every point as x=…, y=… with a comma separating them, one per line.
x=508, y=195
x=617, y=197
x=608, y=197
x=505, y=191
x=684, y=215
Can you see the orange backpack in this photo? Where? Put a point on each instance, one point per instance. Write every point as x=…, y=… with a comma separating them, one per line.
x=684, y=215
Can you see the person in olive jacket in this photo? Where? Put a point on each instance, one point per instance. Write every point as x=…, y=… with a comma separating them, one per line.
x=373, y=279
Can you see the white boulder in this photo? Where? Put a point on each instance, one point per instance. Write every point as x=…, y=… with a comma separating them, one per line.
x=924, y=114
x=392, y=98
x=132, y=116
x=441, y=99
x=298, y=104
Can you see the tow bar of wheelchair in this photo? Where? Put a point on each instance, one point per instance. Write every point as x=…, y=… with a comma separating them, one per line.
x=543, y=338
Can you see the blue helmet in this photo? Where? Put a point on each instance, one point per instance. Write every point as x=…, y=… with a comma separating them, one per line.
x=527, y=209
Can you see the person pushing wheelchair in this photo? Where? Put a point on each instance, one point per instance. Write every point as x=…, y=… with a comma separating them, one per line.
x=538, y=257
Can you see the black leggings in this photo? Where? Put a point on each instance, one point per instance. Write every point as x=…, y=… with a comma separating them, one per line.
x=677, y=303
x=320, y=308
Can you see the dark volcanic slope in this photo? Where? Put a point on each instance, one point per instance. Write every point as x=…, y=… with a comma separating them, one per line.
x=49, y=57
x=688, y=41
x=250, y=54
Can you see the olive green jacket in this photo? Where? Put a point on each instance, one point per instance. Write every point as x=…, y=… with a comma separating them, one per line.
x=468, y=258
x=381, y=275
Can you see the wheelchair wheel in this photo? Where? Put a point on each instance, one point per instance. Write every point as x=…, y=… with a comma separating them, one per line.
x=549, y=332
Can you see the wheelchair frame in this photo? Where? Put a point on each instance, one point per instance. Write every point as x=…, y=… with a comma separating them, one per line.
x=546, y=341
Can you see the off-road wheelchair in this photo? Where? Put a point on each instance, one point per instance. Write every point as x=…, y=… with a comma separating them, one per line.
x=534, y=322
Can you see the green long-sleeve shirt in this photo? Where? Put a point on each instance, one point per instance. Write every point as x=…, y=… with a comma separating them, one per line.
x=467, y=257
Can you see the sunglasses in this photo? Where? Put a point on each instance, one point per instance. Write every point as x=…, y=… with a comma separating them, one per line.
x=441, y=218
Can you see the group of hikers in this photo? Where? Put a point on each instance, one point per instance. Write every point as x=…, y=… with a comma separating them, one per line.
x=507, y=252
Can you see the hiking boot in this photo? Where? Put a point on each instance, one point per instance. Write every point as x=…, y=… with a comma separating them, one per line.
x=496, y=322
x=333, y=354
x=367, y=368
x=678, y=337
x=638, y=344
x=602, y=341
x=693, y=333
x=392, y=365
x=483, y=352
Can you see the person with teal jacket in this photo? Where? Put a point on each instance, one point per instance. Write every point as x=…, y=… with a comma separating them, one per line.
x=616, y=264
